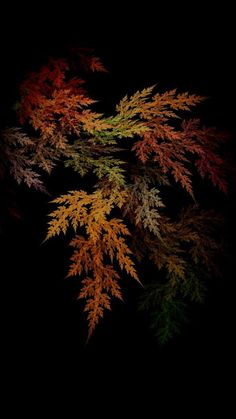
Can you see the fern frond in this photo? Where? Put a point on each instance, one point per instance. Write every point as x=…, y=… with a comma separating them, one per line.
x=104, y=239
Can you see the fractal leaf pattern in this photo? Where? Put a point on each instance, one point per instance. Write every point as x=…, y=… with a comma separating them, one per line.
x=131, y=161
x=103, y=243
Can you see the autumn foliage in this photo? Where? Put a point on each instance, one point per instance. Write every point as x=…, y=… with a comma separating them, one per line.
x=134, y=156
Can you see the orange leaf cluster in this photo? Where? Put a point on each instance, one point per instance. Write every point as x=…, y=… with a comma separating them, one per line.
x=97, y=250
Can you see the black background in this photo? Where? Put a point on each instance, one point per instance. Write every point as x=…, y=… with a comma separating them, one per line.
x=189, y=48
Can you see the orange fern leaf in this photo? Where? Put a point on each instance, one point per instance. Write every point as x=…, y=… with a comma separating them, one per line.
x=104, y=240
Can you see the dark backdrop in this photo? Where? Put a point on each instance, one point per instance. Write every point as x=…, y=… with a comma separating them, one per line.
x=44, y=325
